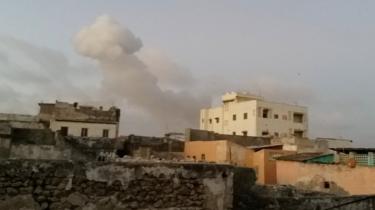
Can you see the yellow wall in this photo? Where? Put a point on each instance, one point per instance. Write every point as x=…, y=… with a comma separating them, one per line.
x=221, y=151
x=226, y=152
x=354, y=181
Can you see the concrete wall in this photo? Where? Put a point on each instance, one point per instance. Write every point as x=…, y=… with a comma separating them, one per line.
x=335, y=143
x=284, y=125
x=94, y=129
x=280, y=121
x=340, y=178
x=105, y=186
x=223, y=152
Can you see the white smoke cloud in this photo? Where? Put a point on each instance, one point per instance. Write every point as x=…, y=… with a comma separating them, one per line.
x=126, y=76
x=170, y=75
x=106, y=39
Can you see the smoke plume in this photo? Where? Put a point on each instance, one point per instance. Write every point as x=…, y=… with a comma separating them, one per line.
x=126, y=76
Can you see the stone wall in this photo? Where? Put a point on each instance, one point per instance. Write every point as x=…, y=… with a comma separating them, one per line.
x=99, y=185
x=281, y=197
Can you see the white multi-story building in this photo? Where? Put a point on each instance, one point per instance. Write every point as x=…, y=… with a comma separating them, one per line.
x=74, y=120
x=243, y=114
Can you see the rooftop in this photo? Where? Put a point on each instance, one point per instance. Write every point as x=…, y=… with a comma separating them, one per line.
x=63, y=111
x=273, y=146
x=301, y=157
x=354, y=149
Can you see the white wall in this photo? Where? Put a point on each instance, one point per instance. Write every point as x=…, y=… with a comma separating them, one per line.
x=284, y=127
x=226, y=124
x=255, y=124
x=94, y=129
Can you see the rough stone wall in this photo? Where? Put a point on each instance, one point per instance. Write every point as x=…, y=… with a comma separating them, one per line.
x=99, y=186
x=281, y=197
x=33, y=136
x=41, y=152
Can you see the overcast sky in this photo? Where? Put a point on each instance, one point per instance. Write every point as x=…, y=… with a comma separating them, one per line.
x=319, y=54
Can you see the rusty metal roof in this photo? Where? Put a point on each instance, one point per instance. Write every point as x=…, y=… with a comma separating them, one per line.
x=301, y=156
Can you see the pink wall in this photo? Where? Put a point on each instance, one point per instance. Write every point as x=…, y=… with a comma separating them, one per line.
x=341, y=178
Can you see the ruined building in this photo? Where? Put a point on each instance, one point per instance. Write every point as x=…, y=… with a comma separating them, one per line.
x=76, y=120
x=247, y=115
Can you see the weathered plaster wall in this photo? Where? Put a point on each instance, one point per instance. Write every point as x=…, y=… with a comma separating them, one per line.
x=101, y=186
x=221, y=151
x=93, y=129
x=340, y=178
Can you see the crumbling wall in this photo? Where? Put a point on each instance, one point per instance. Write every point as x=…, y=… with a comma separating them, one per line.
x=338, y=179
x=99, y=186
x=33, y=136
x=39, y=152
x=282, y=197
x=203, y=135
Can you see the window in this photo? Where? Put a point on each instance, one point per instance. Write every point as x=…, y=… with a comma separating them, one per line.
x=203, y=157
x=276, y=134
x=217, y=120
x=234, y=117
x=326, y=185
x=105, y=133
x=265, y=133
x=234, y=133
x=210, y=120
x=298, y=117
x=244, y=116
x=64, y=131
x=298, y=133
x=285, y=117
x=244, y=133
x=265, y=113
x=276, y=116
x=84, y=132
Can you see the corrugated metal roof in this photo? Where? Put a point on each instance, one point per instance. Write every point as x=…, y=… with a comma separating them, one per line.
x=301, y=156
x=354, y=149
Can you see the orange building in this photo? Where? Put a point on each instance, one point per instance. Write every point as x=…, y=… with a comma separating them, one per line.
x=330, y=178
x=226, y=152
x=221, y=151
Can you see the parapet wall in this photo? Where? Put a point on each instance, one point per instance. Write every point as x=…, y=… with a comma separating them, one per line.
x=101, y=185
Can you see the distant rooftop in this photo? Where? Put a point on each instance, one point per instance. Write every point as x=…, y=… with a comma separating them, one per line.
x=239, y=96
x=18, y=117
x=271, y=146
x=301, y=157
x=333, y=139
x=354, y=149
x=63, y=111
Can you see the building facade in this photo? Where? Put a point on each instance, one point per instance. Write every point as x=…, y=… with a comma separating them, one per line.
x=247, y=115
x=85, y=121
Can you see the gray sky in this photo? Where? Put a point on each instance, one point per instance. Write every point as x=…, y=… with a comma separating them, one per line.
x=315, y=53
